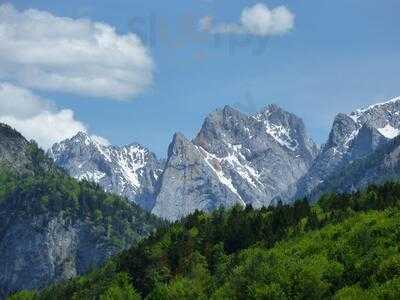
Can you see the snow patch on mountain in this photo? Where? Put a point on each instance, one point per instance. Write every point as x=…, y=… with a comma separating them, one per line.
x=94, y=176
x=353, y=136
x=281, y=135
x=236, y=162
x=130, y=171
x=350, y=138
x=359, y=112
x=389, y=131
x=375, y=116
x=215, y=164
x=131, y=159
x=235, y=158
x=279, y=132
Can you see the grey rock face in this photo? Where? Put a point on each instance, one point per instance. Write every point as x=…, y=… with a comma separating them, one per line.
x=379, y=167
x=352, y=137
x=41, y=243
x=13, y=149
x=235, y=158
x=131, y=171
x=38, y=251
x=191, y=181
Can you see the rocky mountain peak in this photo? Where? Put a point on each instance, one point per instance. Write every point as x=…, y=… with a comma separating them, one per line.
x=235, y=158
x=225, y=118
x=179, y=142
x=10, y=138
x=387, y=108
x=342, y=132
x=272, y=109
x=130, y=170
x=7, y=132
x=83, y=137
x=287, y=129
x=353, y=136
x=385, y=117
x=229, y=111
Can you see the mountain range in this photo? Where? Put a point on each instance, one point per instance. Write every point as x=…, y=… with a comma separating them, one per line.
x=256, y=160
x=54, y=227
x=235, y=158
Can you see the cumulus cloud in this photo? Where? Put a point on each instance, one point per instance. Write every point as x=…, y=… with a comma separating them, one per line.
x=20, y=102
x=36, y=118
x=258, y=20
x=46, y=128
x=42, y=51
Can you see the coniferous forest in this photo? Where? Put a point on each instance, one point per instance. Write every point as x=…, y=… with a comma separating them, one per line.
x=343, y=247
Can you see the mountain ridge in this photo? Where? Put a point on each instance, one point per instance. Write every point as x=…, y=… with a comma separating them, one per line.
x=234, y=159
x=53, y=227
x=259, y=158
x=353, y=136
x=130, y=170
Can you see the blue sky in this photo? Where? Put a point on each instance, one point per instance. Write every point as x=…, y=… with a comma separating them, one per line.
x=340, y=55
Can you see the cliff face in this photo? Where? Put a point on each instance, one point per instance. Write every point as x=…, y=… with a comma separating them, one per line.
x=40, y=250
x=254, y=159
x=53, y=227
x=353, y=137
x=380, y=166
x=235, y=158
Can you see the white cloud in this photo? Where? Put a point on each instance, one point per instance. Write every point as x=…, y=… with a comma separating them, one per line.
x=35, y=117
x=41, y=51
x=20, y=102
x=46, y=128
x=256, y=20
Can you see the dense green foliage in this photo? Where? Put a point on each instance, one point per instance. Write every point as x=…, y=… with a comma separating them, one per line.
x=48, y=190
x=103, y=284
x=345, y=247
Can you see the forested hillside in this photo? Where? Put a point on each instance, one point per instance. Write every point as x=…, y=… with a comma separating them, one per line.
x=51, y=191
x=345, y=247
x=53, y=227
